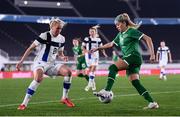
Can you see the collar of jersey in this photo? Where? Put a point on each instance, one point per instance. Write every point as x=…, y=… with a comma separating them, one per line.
x=125, y=30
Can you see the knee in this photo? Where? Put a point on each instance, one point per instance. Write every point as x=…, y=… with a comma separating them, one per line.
x=66, y=72
x=38, y=75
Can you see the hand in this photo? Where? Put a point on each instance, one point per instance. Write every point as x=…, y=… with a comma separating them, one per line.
x=152, y=58
x=18, y=65
x=65, y=58
x=93, y=50
x=106, y=56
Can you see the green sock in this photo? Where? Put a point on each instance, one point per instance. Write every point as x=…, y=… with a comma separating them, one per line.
x=141, y=90
x=80, y=75
x=111, y=77
x=86, y=77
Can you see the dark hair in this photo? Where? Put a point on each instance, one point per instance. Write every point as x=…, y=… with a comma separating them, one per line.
x=78, y=39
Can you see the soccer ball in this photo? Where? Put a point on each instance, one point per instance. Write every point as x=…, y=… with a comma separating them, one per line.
x=106, y=99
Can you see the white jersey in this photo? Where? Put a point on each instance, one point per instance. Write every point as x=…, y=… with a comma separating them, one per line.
x=163, y=53
x=91, y=43
x=49, y=47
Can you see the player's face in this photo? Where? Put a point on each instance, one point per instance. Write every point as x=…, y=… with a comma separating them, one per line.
x=162, y=44
x=56, y=29
x=75, y=43
x=92, y=32
x=121, y=26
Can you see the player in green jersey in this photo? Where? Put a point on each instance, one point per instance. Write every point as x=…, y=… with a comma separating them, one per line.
x=128, y=40
x=80, y=59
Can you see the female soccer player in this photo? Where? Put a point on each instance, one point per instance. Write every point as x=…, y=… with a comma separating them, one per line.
x=128, y=40
x=52, y=44
x=80, y=59
x=162, y=56
x=92, y=59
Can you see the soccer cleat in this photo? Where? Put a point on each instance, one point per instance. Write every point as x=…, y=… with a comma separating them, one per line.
x=21, y=107
x=88, y=86
x=152, y=105
x=102, y=93
x=67, y=102
x=164, y=78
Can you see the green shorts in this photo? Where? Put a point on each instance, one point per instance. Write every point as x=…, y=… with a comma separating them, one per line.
x=81, y=63
x=134, y=62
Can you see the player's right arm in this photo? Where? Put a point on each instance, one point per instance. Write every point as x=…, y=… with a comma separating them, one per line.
x=25, y=55
x=83, y=47
x=157, y=55
x=170, y=57
x=108, y=45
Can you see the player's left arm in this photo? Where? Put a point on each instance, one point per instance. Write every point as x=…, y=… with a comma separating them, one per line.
x=170, y=57
x=157, y=56
x=104, y=53
x=150, y=45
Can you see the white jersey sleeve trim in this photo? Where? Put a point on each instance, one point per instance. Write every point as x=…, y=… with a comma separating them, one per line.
x=141, y=36
x=115, y=43
x=36, y=42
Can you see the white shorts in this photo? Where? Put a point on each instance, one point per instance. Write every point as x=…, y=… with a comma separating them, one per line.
x=91, y=60
x=50, y=69
x=162, y=63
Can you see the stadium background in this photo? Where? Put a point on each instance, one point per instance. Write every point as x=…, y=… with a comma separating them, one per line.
x=16, y=36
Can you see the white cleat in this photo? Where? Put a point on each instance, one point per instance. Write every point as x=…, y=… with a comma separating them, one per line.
x=87, y=88
x=152, y=105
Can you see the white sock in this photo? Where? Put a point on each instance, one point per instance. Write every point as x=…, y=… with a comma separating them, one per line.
x=164, y=77
x=30, y=91
x=66, y=86
x=91, y=77
x=162, y=72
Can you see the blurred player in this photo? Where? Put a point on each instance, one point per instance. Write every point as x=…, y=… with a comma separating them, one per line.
x=80, y=59
x=52, y=45
x=162, y=57
x=93, y=41
x=128, y=40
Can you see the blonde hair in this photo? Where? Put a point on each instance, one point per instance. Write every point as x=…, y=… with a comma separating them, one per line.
x=56, y=20
x=96, y=29
x=125, y=17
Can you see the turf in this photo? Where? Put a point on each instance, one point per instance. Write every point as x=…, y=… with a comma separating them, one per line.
x=126, y=102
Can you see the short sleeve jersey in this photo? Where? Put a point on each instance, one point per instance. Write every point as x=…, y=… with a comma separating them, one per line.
x=91, y=43
x=49, y=46
x=128, y=41
x=77, y=50
x=163, y=53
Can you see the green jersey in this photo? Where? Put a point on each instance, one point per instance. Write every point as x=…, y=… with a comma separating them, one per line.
x=115, y=57
x=81, y=62
x=128, y=41
x=77, y=50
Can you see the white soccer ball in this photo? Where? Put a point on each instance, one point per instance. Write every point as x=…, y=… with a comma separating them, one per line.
x=106, y=99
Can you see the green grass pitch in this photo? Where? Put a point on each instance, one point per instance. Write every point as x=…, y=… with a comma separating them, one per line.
x=126, y=102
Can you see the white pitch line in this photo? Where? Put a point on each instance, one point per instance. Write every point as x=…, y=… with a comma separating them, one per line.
x=44, y=102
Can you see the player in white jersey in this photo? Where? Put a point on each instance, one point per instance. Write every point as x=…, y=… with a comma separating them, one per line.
x=51, y=45
x=93, y=41
x=162, y=57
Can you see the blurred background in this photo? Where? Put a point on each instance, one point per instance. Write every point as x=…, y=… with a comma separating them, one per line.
x=21, y=22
